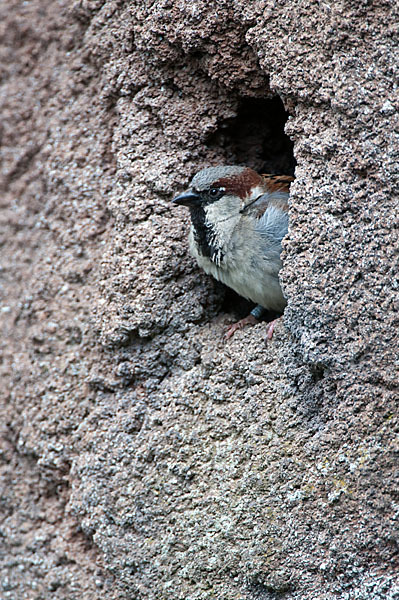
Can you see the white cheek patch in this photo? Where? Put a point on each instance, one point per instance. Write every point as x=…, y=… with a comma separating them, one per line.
x=221, y=218
x=214, y=212
x=217, y=223
x=222, y=210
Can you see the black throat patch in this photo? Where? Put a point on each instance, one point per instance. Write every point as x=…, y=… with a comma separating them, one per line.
x=205, y=236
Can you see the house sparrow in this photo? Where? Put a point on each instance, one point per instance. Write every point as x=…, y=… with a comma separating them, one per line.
x=238, y=219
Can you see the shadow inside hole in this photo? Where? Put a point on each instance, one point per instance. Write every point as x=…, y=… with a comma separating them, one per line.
x=256, y=137
x=239, y=307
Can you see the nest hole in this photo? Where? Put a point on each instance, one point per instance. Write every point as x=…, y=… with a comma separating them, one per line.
x=254, y=137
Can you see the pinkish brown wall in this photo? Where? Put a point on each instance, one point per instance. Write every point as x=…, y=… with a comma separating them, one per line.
x=141, y=456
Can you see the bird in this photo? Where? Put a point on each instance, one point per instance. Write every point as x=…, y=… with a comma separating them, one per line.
x=238, y=220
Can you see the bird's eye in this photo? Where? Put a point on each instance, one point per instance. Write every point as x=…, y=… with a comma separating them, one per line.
x=214, y=192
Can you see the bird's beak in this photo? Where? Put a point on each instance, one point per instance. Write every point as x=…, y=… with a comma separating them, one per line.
x=187, y=199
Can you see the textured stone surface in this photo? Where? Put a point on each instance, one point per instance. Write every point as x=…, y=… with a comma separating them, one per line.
x=141, y=456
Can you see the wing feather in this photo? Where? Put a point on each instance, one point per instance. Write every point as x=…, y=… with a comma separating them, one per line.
x=277, y=182
x=271, y=208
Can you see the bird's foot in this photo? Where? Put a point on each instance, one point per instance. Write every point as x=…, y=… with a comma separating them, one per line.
x=270, y=329
x=249, y=320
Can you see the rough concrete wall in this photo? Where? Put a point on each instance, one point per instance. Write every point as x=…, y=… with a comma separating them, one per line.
x=142, y=457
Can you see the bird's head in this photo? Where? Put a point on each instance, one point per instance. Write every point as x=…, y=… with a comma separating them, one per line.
x=215, y=198
x=227, y=188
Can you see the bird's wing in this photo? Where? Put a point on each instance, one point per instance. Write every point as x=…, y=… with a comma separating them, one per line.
x=276, y=194
x=278, y=182
x=271, y=208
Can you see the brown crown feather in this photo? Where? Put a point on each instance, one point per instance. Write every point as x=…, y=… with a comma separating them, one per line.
x=240, y=184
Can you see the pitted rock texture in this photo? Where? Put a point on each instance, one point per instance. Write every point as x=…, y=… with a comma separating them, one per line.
x=142, y=456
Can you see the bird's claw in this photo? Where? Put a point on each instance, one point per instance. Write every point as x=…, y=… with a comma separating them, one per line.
x=270, y=330
x=249, y=320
